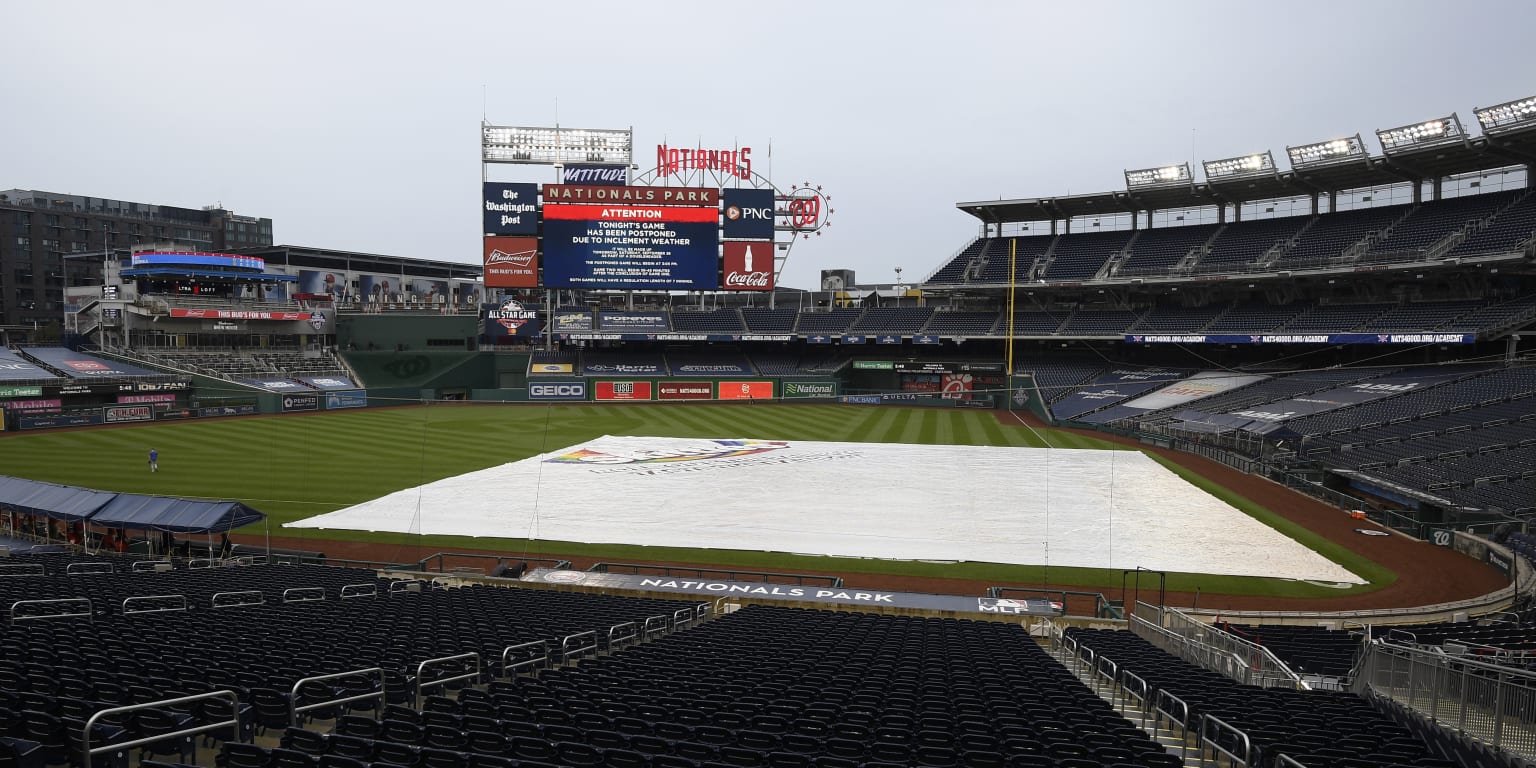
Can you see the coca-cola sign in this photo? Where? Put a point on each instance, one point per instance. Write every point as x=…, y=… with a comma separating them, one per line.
x=748, y=266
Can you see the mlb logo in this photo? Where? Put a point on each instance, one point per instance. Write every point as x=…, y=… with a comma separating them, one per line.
x=624, y=388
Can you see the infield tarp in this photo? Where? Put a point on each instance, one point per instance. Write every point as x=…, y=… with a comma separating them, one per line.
x=1100, y=509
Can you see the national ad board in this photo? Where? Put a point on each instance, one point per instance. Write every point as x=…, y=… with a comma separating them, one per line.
x=632, y=322
x=748, y=214
x=746, y=390
x=301, y=402
x=796, y=389
x=685, y=390
x=747, y=266
x=643, y=247
x=116, y=414
x=79, y=419
x=595, y=175
x=557, y=390
x=511, y=262
x=510, y=209
x=237, y=314
x=622, y=390
x=355, y=398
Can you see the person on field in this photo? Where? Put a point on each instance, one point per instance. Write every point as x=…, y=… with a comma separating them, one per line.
x=154, y=460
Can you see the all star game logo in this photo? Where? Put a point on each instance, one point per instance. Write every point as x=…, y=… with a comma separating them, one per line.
x=697, y=451
x=511, y=315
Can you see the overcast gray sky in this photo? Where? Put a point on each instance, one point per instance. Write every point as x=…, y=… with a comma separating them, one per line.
x=355, y=125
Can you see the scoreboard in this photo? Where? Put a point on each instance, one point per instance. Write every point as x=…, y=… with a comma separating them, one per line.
x=631, y=238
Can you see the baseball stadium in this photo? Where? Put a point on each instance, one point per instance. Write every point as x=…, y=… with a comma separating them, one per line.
x=1230, y=467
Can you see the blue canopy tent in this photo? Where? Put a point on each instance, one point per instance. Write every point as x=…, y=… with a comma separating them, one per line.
x=162, y=513
x=109, y=509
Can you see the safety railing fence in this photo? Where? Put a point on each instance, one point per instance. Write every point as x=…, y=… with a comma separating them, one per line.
x=359, y=590
x=61, y=604
x=439, y=562
x=1210, y=647
x=303, y=594
x=1483, y=701
x=141, y=566
x=154, y=604
x=455, y=664
x=23, y=569
x=525, y=658
x=295, y=709
x=1074, y=602
x=233, y=599
x=87, y=569
x=233, y=724
x=1221, y=738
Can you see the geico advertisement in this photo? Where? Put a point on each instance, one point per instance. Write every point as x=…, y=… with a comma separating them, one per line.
x=557, y=390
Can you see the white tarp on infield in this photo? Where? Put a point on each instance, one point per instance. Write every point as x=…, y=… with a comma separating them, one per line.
x=1098, y=509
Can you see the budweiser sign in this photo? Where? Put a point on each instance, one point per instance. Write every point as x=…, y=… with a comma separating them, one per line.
x=511, y=262
x=747, y=266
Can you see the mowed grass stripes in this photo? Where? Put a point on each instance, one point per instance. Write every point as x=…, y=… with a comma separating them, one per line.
x=295, y=466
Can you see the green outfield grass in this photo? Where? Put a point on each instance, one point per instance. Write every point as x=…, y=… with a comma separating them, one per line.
x=297, y=466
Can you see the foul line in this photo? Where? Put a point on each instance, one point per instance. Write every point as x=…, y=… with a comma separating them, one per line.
x=1026, y=425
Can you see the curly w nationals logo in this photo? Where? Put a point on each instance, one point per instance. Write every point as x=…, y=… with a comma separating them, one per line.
x=692, y=451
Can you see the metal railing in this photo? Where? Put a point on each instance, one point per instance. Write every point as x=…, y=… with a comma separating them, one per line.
x=232, y=723
x=235, y=599
x=1209, y=647
x=294, y=710
x=1487, y=702
x=1214, y=741
x=87, y=569
x=156, y=603
x=621, y=635
x=303, y=594
x=89, y=613
x=23, y=569
x=575, y=646
x=359, y=590
x=151, y=565
x=533, y=656
x=421, y=670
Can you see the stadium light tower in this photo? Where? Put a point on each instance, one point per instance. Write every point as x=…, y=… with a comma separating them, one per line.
x=1257, y=164
x=1331, y=152
x=1428, y=133
x=1498, y=118
x=1164, y=176
x=549, y=146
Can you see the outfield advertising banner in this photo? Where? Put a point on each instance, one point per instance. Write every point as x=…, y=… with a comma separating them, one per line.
x=49, y=404
x=146, y=398
x=1306, y=338
x=956, y=386
x=328, y=382
x=549, y=369
x=632, y=322
x=622, y=390
x=239, y=314
x=14, y=368
x=627, y=369
x=746, y=390
x=645, y=247
x=21, y=391
x=355, y=398
x=511, y=209
x=78, y=365
x=82, y=419
x=748, y=214
x=799, y=389
x=117, y=414
x=511, y=262
x=572, y=322
x=274, y=385
x=301, y=402
x=557, y=390
x=711, y=369
x=685, y=390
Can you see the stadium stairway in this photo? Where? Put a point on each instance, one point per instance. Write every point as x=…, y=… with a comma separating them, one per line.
x=1182, y=746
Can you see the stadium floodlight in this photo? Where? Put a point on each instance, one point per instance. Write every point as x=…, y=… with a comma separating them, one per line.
x=1165, y=176
x=1236, y=167
x=1429, y=133
x=1328, y=152
x=1507, y=116
x=551, y=146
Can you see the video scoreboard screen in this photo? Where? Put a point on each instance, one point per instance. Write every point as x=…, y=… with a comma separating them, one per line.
x=644, y=238
x=632, y=238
